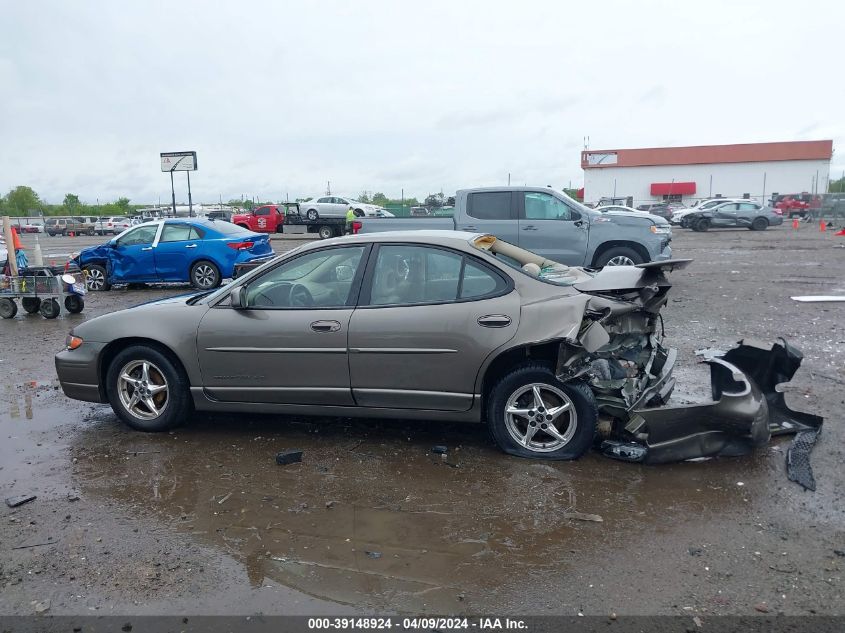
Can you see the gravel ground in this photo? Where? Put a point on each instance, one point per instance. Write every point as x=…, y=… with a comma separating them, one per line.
x=202, y=520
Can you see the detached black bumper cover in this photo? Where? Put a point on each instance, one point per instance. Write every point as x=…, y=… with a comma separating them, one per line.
x=746, y=411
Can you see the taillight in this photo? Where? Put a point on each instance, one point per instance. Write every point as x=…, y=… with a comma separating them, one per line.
x=240, y=246
x=356, y=226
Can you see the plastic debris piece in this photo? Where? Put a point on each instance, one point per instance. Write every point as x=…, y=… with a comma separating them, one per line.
x=288, y=457
x=19, y=500
x=439, y=449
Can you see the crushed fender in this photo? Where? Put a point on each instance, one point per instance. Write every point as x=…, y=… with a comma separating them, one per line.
x=745, y=412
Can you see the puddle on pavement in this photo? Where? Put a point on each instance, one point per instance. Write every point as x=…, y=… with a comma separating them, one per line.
x=372, y=518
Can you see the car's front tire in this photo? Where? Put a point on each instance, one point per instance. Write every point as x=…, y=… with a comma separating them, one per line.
x=147, y=390
x=619, y=256
x=702, y=225
x=95, y=278
x=531, y=413
x=312, y=215
x=205, y=275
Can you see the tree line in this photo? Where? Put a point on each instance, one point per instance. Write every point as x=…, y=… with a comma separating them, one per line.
x=24, y=201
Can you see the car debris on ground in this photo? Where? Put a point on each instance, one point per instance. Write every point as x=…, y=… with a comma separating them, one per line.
x=288, y=457
x=19, y=500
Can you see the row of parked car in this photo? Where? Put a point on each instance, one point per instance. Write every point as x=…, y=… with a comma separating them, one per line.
x=78, y=225
x=711, y=213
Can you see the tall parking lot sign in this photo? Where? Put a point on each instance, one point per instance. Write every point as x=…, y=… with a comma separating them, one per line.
x=180, y=161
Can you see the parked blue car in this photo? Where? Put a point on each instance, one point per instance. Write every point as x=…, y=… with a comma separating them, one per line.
x=203, y=252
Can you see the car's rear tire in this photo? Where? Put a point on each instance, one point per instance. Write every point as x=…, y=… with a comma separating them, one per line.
x=95, y=278
x=8, y=308
x=325, y=232
x=205, y=275
x=312, y=215
x=619, y=256
x=30, y=304
x=49, y=308
x=147, y=390
x=759, y=224
x=702, y=225
x=560, y=424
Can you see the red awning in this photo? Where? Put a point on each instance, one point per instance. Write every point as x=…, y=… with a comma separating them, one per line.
x=672, y=188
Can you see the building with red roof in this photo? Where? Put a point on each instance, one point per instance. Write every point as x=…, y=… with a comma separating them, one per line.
x=752, y=170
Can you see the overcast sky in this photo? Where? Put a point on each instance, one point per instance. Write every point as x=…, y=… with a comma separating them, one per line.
x=279, y=97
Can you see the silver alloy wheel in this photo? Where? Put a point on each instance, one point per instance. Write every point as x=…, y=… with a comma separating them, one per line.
x=95, y=279
x=535, y=416
x=620, y=260
x=142, y=389
x=204, y=276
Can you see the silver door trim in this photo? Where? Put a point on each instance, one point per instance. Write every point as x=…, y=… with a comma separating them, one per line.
x=400, y=350
x=279, y=350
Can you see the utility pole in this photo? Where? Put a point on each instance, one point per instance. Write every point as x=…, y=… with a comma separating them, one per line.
x=190, y=200
x=328, y=187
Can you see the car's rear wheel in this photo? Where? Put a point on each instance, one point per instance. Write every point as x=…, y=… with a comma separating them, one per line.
x=619, y=256
x=95, y=278
x=325, y=232
x=759, y=224
x=147, y=390
x=30, y=304
x=312, y=215
x=8, y=308
x=533, y=414
x=205, y=275
x=702, y=225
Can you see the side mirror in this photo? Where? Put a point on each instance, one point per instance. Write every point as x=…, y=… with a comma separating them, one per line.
x=237, y=297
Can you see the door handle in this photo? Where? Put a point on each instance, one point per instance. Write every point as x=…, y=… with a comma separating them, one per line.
x=147, y=248
x=469, y=228
x=325, y=326
x=191, y=246
x=530, y=227
x=494, y=320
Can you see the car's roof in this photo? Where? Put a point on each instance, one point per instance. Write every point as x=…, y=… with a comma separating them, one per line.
x=426, y=236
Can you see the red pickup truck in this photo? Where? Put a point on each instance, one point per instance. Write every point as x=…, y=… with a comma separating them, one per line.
x=797, y=204
x=267, y=218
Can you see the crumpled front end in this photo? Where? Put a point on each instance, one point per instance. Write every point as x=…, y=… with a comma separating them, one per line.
x=619, y=353
x=746, y=410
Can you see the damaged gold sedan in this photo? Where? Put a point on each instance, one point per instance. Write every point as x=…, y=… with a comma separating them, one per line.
x=435, y=325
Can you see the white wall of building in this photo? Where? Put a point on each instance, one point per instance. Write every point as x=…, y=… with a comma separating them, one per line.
x=731, y=180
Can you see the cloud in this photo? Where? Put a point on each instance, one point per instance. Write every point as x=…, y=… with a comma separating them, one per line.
x=281, y=97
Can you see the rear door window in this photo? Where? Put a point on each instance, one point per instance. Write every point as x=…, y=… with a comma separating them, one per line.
x=175, y=233
x=490, y=205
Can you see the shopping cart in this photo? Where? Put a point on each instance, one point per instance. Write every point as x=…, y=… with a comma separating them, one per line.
x=43, y=289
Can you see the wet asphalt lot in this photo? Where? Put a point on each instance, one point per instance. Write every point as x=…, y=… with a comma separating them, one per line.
x=203, y=521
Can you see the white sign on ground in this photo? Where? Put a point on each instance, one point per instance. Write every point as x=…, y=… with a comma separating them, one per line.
x=178, y=161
